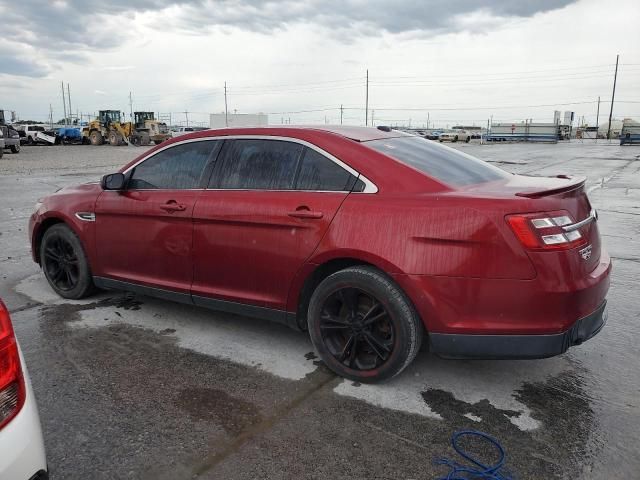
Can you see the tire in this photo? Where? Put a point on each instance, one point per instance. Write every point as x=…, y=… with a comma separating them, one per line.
x=30, y=140
x=64, y=263
x=157, y=142
x=455, y=139
x=467, y=140
x=363, y=326
x=15, y=148
x=115, y=139
x=95, y=138
x=1, y=152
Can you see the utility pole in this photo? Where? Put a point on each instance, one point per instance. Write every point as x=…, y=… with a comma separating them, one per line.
x=366, y=102
x=226, y=110
x=186, y=116
x=69, y=100
x=598, y=118
x=64, y=105
x=130, y=107
x=427, y=119
x=341, y=113
x=372, y=115
x=613, y=94
x=50, y=117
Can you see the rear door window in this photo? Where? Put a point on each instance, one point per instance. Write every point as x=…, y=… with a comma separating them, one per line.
x=256, y=164
x=176, y=168
x=443, y=163
x=319, y=173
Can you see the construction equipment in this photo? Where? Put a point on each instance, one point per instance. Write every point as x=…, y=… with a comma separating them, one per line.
x=108, y=127
x=146, y=122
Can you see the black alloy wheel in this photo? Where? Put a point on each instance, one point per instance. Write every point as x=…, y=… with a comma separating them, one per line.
x=61, y=263
x=362, y=324
x=356, y=329
x=64, y=262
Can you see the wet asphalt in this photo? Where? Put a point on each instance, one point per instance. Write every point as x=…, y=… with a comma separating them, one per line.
x=134, y=387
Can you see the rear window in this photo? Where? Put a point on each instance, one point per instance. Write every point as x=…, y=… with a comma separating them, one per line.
x=442, y=163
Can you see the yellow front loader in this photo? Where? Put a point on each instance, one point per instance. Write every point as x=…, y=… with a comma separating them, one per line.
x=108, y=127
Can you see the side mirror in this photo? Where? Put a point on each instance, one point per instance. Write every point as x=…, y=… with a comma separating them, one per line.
x=113, y=181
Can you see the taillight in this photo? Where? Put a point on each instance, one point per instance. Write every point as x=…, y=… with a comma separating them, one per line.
x=546, y=231
x=12, y=390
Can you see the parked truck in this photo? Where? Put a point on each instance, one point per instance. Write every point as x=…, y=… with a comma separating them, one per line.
x=10, y=137
x=630, y=133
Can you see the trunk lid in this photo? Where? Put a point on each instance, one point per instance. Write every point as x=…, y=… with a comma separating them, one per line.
x=552, y=196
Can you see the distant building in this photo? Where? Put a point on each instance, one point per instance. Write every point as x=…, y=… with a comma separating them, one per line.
x=220, y=120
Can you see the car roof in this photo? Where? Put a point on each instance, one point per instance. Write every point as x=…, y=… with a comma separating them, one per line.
x=358, y=134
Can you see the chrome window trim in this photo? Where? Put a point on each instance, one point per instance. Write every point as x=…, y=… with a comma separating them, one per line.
x=370, y=187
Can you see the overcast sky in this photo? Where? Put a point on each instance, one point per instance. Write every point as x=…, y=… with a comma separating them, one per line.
x=455, y=61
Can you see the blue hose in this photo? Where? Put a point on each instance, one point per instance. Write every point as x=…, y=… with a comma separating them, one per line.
x=478, y=470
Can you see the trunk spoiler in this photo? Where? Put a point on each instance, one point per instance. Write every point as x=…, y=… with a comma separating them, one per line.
x=573, y=183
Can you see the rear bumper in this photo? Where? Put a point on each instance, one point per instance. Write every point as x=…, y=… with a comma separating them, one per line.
x=518, y=346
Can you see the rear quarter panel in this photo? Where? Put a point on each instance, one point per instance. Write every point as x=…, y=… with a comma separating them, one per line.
x=430, y=234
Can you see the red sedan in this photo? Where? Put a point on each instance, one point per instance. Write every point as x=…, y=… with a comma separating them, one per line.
x=371, y=240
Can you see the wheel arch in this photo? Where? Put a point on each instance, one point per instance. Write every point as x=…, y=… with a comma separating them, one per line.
x=45, y=225
x=317, y=269
x=39, y=234
x=312, y=279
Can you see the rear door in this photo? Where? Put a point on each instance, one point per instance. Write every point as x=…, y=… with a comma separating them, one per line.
x=268, y=204
x=144, y=233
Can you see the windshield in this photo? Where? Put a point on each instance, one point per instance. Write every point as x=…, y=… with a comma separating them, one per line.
x=446, y=164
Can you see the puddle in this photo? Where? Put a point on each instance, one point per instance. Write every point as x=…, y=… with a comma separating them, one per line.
x=233, y=414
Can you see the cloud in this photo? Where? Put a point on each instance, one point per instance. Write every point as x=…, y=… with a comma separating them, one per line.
x=12, y=64
x=69, y=30
x=352, y=17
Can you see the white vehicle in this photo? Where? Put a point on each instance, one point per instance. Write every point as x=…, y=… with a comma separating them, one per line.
x=22, y=455
x=455, y=136
x=177, y=131
x=30, y=136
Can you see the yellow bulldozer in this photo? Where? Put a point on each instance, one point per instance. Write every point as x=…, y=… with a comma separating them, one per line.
x=146, y=122
x=109, y=127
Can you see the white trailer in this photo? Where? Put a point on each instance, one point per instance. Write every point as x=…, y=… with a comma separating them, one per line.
x=523, y=132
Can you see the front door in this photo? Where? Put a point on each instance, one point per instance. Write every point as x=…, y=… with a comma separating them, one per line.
x=268, y=205
x=144, y=233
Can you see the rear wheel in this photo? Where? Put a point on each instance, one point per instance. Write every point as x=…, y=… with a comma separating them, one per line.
x=363, y=326
x=64, y=263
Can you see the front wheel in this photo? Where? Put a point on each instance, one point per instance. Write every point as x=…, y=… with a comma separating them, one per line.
x=64, y=263
x=15, y=148
x=363, y=326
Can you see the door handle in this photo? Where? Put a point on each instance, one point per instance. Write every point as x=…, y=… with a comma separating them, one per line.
x=172, y=206
x=305, y=214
